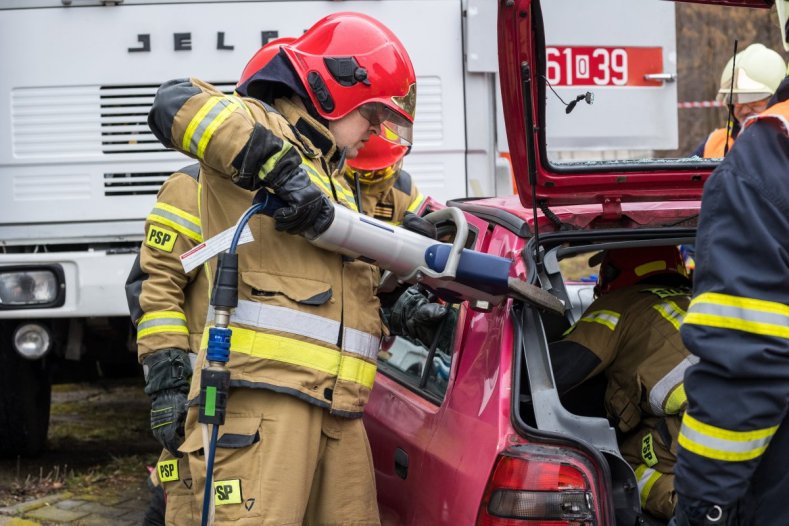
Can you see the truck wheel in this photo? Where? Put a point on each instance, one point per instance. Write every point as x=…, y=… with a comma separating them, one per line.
x=25, y=397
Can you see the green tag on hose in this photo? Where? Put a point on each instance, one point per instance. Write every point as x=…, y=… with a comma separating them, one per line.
x=210, y=401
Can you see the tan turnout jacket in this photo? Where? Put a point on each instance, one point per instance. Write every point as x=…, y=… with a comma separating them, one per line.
x=634, y=332
x=307, y=322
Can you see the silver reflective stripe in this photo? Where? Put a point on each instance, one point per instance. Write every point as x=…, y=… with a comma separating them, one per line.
x=603, y=317
x=275, y=318
x=194, y=143
x=644, y=478
x=185, y=223
x=192, y=360
x=658, y=394
x=362, y=343
x=748, y=315
x=157, y=322
x=723, y=445
x=671, y=312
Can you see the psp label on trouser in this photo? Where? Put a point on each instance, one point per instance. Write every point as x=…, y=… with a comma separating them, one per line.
x=227, y=492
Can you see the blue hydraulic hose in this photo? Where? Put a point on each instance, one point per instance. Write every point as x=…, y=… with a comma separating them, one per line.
x=223, y=340
x=209, y=475
x=252, y=210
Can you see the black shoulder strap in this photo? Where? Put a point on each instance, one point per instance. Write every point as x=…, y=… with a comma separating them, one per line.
x=403, y=182
x=193, y=170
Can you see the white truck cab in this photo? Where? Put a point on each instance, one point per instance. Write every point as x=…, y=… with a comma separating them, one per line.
x=80, y=169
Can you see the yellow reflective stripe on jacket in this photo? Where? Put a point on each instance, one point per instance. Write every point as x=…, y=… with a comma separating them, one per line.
x=646, y=479
x=608, y=318
x=162, y=321
x=667, y=397
x=203, y=125
x=722, y=444
x=672, y=312
x=316, y=177
x=283, y=319
x=323, y=182
x=713, y=309
x=676, y=401
x=183, y=222
x=416, y=203
x=299, y=353
x=346, y=197
x=274, y=159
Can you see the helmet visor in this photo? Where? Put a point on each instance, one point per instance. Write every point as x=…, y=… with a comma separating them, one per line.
x=394, y=127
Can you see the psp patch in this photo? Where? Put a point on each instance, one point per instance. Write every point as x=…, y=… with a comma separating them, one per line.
x=648, y=451
x=160, y=238
x=167, y=470
x=227, y=492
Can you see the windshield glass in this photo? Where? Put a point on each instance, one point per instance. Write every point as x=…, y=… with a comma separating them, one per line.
x=635, y=81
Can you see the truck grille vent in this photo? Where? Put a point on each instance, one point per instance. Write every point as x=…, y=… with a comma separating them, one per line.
x=124, y=118
x=120, y=184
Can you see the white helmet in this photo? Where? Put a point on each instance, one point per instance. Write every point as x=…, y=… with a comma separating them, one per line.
x=783, y=18
x=758, y=71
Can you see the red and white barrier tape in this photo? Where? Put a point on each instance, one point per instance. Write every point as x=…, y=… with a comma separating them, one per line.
x=700, y=104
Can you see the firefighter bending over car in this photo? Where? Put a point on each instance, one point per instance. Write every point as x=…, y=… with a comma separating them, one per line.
x=630, y=333
x=733, y=460
x=306, y=330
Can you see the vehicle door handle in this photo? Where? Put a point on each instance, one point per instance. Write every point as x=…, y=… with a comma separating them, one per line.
x=401, y=463
x=661, y=77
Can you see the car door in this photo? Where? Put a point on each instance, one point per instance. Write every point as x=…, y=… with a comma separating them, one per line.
x=406, y=407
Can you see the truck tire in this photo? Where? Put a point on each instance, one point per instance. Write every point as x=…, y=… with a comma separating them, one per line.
x=25, y=398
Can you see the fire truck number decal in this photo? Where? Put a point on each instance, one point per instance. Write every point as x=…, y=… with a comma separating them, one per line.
x=602, y=66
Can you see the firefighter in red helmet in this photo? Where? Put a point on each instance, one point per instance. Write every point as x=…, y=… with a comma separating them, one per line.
x=158, y=285
x=306, y=330
x=630, y=333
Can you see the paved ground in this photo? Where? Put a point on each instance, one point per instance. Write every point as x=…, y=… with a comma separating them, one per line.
x=93, y=471
x=124, y=509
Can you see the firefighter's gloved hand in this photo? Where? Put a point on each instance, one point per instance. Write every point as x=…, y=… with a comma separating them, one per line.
x=309, y=211
x=420, y=225
x=168, y=414
x=167, y=376
x=415, y=317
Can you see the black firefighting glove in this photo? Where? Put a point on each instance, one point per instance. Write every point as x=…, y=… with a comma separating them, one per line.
x=167, y=376
x=416, y=317
x=420, y=225
x=309, y=211
x=269, y=161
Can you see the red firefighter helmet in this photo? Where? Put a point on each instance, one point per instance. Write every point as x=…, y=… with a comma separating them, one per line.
x=627, y=266
x=379, y=160
x=349, y=61
x=262, y=57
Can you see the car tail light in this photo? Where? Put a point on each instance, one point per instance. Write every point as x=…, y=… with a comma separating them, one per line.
x=538, y=489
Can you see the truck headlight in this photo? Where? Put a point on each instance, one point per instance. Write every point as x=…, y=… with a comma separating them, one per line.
x=36, y=287
x=32, y=340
